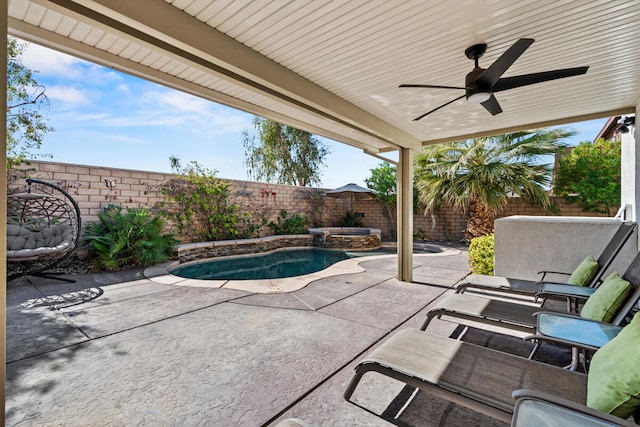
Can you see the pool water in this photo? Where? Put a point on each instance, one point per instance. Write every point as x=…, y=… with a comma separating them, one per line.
x=273, y=265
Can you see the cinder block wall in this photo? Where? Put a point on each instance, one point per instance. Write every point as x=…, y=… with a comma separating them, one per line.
x=95, y=187
x=433, y=225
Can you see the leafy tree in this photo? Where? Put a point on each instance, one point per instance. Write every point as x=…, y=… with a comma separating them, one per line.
x=478, y=175
x=201, y=207
x=383, y=182
x=590, y=174
x=282, y=153
x=26, y=105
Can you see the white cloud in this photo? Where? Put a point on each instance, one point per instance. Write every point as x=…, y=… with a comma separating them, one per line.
x=48, y=63
x=67, y=94
x=229, y=122
x=179, y=101
x=51, y=62
x=142, y=120
x=203, y=117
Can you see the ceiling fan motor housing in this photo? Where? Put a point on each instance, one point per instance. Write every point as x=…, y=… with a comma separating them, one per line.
x=472, y=87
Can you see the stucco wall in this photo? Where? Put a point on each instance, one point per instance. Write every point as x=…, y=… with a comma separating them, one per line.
x=525, y=245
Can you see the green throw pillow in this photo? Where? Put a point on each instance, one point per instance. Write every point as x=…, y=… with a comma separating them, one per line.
x=584, y=273
x=613, y=385
x=607, y=299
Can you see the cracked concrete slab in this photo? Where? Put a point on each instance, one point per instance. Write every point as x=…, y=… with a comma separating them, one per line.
x=327, y=291
x=223, y=365
x=101, y=320
x=287, y=300
x=173, y=355
x=384, y=306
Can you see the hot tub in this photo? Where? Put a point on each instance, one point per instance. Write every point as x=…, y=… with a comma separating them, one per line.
x=346, y=237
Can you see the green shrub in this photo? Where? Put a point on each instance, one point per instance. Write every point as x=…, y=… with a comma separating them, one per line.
x=420, y=234
x=351, y=219
x=285, y=224
x=201, y=208
x=481, y=255
x=119, y=240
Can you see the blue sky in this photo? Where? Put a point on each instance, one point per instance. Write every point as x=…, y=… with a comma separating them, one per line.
x=106, y=118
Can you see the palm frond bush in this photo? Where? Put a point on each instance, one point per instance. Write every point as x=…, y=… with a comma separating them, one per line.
x=128, y=238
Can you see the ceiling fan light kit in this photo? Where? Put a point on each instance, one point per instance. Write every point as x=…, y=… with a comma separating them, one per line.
x=479, y=97
x=481, y=84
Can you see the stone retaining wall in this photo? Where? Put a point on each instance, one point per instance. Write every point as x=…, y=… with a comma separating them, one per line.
x=346, y=237
x=196, y=251
x=346, y=241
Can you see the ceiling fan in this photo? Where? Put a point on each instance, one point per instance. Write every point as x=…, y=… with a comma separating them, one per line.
x=480, y=84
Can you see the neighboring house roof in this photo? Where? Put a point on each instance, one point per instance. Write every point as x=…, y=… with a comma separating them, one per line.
x=608, y=131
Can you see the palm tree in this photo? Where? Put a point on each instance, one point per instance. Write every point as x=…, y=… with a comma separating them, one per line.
x=478, y=175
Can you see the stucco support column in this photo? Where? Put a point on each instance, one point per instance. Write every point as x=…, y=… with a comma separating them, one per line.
x=405, y=215
x=3, y=203
x=630, y=172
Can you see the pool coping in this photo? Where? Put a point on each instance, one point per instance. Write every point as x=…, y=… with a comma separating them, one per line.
x=160, y=274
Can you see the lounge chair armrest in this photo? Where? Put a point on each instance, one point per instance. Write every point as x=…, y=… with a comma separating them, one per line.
x=561, y=341
x=568, y=291
x=545, y=272
x=532, y=407
x=557, y=313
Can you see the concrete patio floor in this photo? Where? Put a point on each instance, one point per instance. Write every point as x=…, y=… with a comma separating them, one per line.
x=121, y=349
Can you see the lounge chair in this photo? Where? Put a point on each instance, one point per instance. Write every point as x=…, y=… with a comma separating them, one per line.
x=536, y=409
x=484, y=379
x=531, y=287
x=520, y=317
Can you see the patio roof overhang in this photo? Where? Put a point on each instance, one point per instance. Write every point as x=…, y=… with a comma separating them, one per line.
x=333, y=67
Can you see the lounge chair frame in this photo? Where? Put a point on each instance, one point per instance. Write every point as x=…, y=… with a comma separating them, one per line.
x=531, y=287
x=585, y=416
x=515, y=316
x=427, y=362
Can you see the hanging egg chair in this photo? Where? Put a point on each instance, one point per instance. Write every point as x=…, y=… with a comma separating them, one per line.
x=43, y=229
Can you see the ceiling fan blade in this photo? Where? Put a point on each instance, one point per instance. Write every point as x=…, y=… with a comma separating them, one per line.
x=492, y=105
x=529, y=79
x=437, y=108
x=432, y=86
x=492, y=74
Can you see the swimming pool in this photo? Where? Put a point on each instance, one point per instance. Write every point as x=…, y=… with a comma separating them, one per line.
x=273, y=265
x=278, y=264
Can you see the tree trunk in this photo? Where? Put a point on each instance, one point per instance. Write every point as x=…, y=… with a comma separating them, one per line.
x=388, y=213
x=480, y=221
x=445, y=227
